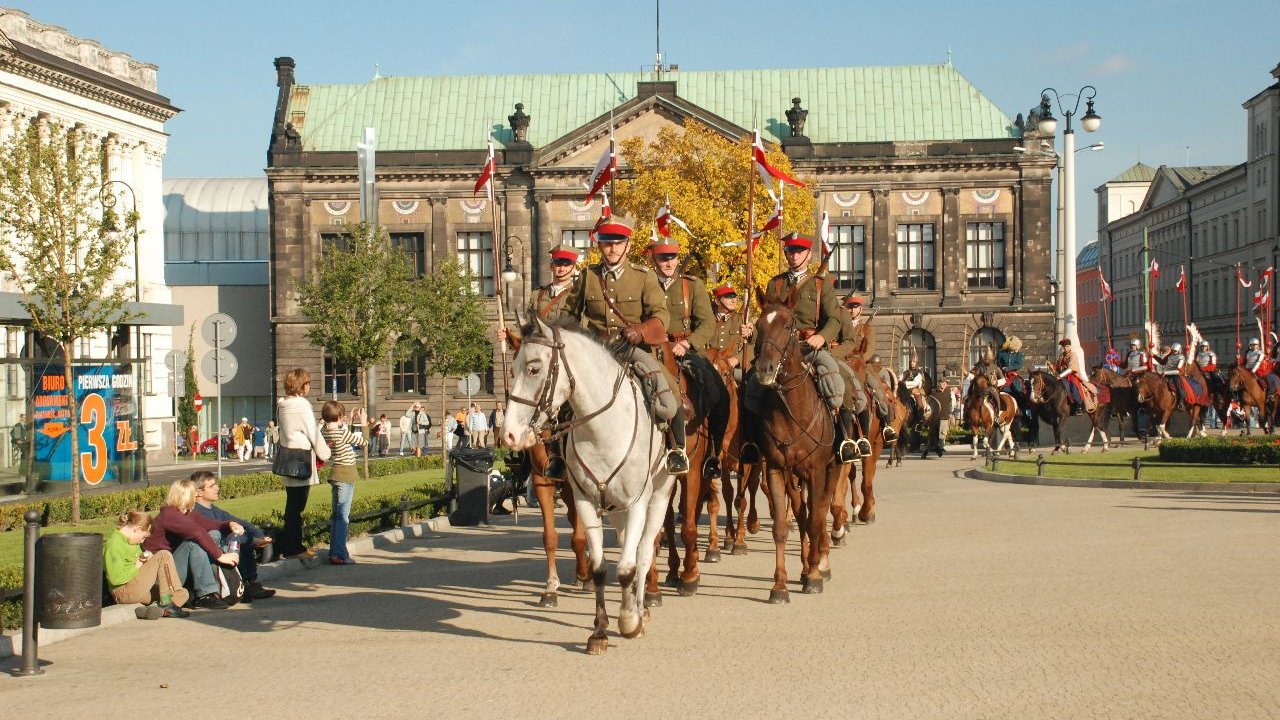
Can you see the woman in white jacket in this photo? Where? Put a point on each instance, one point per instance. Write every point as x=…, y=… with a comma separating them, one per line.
x=299, y=430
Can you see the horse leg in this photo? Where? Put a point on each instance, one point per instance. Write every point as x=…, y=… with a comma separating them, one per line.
x=867, y=511
x=711, y=500
x=799, y=494
x=546, y=494
x=636, y=531
x=839, y=511
x=819, y=500
x=755, y=479
x=778, y=497
x=669, y=532
x=692, y=485
x=973, y=442
x=598, y=643
x=578, y=540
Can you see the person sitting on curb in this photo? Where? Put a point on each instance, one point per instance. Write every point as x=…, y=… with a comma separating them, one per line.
x=187, y=535
x=141, y=577
x=246, y=544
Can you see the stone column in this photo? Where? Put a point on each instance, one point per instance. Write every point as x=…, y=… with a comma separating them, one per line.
x=539, y=267
x=950, y=275
x=884, y=254
x=439, y=239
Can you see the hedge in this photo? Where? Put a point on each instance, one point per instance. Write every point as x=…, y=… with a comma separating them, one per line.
x=57, y=511
x=1262, y=450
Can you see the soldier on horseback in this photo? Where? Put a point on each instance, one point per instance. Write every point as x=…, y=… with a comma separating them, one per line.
x=729, y=330
x=1136, y=361
x=1067, y=366
x=817, y=319
x=1171, y=364
x=852, y=343
x=623, y=304
x=1260, y=365
x=988, y=368
x=914, y=379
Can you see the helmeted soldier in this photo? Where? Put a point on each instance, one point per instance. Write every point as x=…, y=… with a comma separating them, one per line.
x=1207, y=359
x=858, y=341
x=1136, y=361
x=547, y=301
x=817, y=319
x=729, y=331
x=621, y=300
x=913, y=379
x=1171, y=364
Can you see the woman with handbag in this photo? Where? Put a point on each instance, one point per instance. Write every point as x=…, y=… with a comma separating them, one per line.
x=295, y=461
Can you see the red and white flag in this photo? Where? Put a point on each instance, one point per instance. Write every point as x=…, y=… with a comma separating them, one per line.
x=605, y=169
x=762, y=164
x=606, y=212
x=1182, y=281
x=1240, y=278
x=666, y=218
x=1262, y=296
x=486, y=175
x=824, y=233
x=1106, y=287
x=1154, y=269
x=771, y=224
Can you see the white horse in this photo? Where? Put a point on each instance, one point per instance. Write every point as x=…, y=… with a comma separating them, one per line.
x=613, y=450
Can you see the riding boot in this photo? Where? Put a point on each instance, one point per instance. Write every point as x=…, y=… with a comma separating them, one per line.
x=846, y=449
x=677, y=460
x=864, y=445
x=749, y=451
x=556, y=469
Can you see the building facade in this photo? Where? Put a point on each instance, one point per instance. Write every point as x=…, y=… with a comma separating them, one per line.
x=1090, y=316
x=51, y=78
x=938, y=220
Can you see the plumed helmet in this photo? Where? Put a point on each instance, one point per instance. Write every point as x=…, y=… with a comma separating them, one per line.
x=1135, y=343
x=1176, y=347
x=1253, y=342
x=1205, y=344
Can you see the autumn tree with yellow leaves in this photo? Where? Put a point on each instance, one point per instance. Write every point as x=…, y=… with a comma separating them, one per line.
x=706, y=176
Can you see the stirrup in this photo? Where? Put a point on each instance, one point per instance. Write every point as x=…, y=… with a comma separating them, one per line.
x=749, y=453
x=711, y=468
x=677, y=462
x=848, y=451
x=864, y=446
x=889, y=434
x=556, y=469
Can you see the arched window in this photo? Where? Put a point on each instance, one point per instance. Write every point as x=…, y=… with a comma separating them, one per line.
x=926, y=350
x=985, y=336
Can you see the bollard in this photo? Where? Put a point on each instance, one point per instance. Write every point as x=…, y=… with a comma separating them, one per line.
x=1137, y=468
x=404, y=511
x=1040, y=463
x=30, y=632
x=269, y=550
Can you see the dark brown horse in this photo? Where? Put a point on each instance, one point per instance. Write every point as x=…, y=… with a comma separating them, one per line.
x=1154, y=393
x=1052, y=404
x=740, y=482
x=1254, y=393
x=1123, y=401
x=864, y=497
x=797, y=432
x=924, y=420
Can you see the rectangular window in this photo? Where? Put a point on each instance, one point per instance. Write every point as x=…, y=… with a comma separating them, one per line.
x=413, y=247
x=409, y=376
x=984, y=254
x=848, y=263
x=335, y=241
x=13, y=337
x=577, y=239
x=915, y=257
x=339, y=378
x=475, y=253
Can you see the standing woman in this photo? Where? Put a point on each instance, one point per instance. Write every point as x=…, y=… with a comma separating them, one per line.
x=298, y=431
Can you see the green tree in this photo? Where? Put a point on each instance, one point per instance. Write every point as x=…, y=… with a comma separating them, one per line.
x=62, y=248
x=449, y=329
x=187, y=403
x=354, y=300
x=706, y=177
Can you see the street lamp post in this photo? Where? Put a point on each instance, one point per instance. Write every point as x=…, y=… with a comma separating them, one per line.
x=109, y=200
x=1066, y=186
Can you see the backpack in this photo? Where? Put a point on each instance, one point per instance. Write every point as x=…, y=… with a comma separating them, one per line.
x=230, y=584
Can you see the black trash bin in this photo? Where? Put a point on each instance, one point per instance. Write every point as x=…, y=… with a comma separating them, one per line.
x=471, y=468
x=69, y=580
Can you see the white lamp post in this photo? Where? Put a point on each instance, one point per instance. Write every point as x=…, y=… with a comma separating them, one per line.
x=1067, y=186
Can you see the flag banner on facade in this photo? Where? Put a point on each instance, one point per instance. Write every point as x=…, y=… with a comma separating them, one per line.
x=1105, y=286
x=762, y=164
x=486, y=175
x=666, y=218
x=605, y=168
x=1182, y=280
x=1154, y=269
x=1262, y=295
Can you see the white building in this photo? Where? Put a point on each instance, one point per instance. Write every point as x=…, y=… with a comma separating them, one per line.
x=48, y=75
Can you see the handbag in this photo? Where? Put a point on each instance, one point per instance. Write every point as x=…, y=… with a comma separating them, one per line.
x=292, y=463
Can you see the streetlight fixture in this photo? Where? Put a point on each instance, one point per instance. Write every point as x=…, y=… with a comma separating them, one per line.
x=1048, y=125
x=109, y=199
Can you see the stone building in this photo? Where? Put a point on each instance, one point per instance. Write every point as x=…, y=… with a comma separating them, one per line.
x=938, y=219
x=1089, y=312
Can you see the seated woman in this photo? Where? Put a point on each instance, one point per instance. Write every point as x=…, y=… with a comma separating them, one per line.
x=191, y=538
x=142, y=577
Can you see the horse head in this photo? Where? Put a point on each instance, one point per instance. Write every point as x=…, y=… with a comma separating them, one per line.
x=775, y=342
x=1145, y=384
x=1236, y=381
x=538, y=385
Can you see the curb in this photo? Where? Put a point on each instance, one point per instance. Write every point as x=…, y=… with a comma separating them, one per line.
x=11, y=645
x=1210, y=487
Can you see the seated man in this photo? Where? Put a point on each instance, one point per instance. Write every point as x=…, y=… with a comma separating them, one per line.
x=1069, y=371
x=244, y=543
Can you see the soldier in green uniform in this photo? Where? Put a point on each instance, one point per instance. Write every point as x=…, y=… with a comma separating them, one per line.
x=621, y=300
x=857, y=340
x=817, y=316
x=548, y=301
x=729, y=331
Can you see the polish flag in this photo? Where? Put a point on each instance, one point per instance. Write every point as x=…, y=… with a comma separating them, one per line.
x=1240, y=278
x=772, y=223
x=1106, y=287
x=606, y=212
x=1182, y=281
x=824, y=233
x=1260, y=299
x=1154, y=269
x=762, y=164
x=666, y=218
x=605, y=168
x=486, y=175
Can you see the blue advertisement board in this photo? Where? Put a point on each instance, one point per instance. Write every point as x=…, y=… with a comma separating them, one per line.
x=106, y=411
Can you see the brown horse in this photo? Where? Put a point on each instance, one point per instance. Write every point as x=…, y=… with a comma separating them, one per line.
x=797, y=433
x=545, y=490
x=1052, y=404
x=741, y=490
x=1253, y=393
x=1154, y=392
x=1123, y=401
x=864, y=509
x=982, y=418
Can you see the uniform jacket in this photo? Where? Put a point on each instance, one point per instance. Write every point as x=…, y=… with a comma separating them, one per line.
x=690, y=310
x=727, y=332
x=815, y=309
x=857, y=339
x=635, y=292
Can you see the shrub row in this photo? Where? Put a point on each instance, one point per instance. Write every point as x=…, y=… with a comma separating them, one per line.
x=57, y=511
x=1263, y=450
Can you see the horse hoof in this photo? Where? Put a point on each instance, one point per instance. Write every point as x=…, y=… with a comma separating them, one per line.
x=653, y=599
x=728, y=544
x=868, y=518
x=740, y=549
x=839, y=542
x=813, y=587
x=587, y=585
x=688, y=588
x=753, y=527
x=597, y=646
x=673, y=580
x=779, y=597
x=711, y=556
x=826, y=574
x=637, y=633
x=548, y=599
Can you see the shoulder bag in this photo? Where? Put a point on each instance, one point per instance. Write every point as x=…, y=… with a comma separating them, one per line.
x=292, y=463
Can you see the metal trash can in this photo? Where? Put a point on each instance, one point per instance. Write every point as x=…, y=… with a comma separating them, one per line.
x=471, y=468
x=69, y=580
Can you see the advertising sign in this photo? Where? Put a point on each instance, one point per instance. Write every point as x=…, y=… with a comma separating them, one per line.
x=106, y=410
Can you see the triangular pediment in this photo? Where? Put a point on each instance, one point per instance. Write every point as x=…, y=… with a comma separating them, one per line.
x=643, y=116
x=1162, y=191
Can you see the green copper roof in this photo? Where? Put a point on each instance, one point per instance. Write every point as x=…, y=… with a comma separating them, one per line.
x=857, y=104
x=1137, y=173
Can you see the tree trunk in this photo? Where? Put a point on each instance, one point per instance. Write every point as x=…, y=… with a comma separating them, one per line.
x=75, y=431
x=368, y=434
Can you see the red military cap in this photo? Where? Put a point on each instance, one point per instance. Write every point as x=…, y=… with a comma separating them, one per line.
x=854, y=300
x=797, y=240
x=612, y=232
x=569, y=255
x=1064, y=341
x=724, y=290
x=664, y=249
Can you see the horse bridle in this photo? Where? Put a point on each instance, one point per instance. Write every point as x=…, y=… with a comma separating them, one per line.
x=543, y=412
x=781, y=388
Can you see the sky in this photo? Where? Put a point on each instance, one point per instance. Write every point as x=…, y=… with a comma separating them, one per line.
x=1170, y=74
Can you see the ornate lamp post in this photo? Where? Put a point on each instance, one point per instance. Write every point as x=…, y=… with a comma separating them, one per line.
x=109, y=199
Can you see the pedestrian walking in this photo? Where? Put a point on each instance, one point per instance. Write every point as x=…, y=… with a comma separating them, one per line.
x=477, y=426
x=273, y=439
x=496, y=419
x=298, y=432
x=422, y=424
x=406, y=430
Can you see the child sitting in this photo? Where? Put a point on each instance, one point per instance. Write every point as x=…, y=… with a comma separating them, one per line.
x=142, y=577
x=341, y=478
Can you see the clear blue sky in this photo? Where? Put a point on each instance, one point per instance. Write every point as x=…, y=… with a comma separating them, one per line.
x=1171, y=74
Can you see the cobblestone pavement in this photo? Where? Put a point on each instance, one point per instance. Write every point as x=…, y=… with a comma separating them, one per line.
x=966, y=600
